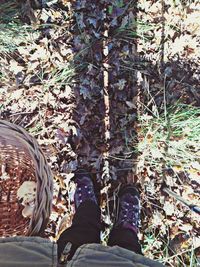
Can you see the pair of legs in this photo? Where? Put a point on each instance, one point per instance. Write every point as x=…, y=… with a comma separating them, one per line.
x=86, y=224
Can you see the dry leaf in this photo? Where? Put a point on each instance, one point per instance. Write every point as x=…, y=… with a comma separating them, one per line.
x=169, y=208
x=15, y=67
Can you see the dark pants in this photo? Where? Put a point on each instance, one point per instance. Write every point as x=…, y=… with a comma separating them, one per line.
x=86, y=227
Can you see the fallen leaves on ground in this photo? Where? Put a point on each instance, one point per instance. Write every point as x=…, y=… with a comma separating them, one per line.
x=52, y=85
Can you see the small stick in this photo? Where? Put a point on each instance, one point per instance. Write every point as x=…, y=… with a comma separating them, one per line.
x=106, y=100
x=182, y=200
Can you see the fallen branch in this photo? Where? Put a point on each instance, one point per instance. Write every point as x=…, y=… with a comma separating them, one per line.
x=182, y=200
x=106, y=167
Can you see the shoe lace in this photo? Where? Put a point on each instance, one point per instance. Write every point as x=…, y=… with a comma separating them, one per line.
x=130, y=210
x=85, y=190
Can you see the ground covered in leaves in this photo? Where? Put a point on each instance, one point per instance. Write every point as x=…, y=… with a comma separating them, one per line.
x=112, y=86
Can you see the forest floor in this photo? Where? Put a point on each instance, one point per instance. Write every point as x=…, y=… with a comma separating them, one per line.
x=113, y=87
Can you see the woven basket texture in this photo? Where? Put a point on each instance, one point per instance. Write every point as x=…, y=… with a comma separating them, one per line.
x=21, y=159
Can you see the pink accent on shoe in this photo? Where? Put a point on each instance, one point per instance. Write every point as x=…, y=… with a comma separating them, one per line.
x=129, y=226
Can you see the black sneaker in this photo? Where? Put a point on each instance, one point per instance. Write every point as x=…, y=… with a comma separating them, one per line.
x=85, y=189
x=128, y=211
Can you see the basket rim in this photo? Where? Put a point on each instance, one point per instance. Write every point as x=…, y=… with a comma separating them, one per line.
x=43, y=177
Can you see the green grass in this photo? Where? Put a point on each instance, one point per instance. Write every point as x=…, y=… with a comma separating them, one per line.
x=12, y=34
x=9, y=11
x=172, y=138
x=157, y=247
x=12, y=31
x=169, y=138
x=136, y=28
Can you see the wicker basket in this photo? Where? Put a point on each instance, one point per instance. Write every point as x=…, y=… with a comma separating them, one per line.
x=22, y=160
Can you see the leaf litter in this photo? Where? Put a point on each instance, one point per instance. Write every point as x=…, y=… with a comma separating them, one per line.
x=52, y=84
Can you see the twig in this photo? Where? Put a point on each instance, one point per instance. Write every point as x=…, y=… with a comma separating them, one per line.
x=182, y=200
x=21, y=113
x=106, y=175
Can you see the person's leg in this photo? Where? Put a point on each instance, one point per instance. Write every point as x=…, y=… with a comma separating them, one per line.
x=125, y=229
x=124, y=238
x=86, y=222
x=85, y=228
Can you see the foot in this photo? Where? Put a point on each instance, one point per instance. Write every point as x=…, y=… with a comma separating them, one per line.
x=85, y=189
x=128, y=215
